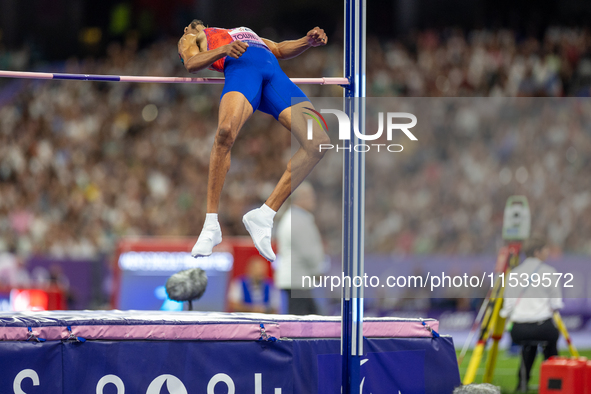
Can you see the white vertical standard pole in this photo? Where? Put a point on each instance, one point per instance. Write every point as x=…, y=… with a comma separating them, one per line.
x=353, y=197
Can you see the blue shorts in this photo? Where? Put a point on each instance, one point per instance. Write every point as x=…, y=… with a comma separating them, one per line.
x=257, y=75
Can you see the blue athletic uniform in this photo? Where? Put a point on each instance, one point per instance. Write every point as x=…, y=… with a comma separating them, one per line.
x=256, y=74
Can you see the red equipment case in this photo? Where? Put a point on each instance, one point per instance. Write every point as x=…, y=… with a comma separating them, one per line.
x=562, y=375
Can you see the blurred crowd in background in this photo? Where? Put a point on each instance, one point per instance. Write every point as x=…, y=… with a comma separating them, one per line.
x=83, y=163
x=445, y=193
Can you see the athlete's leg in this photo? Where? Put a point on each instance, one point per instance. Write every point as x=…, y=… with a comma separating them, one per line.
x=234, y=112
x=235, y=109
x=276, y=99
x=305, y=158
x=259, y=221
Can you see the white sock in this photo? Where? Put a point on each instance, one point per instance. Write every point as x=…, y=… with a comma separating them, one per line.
x=210, y=219
x=268, y=212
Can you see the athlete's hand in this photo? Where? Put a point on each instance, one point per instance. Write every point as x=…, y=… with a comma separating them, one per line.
x=235, y=49
x=317, y=37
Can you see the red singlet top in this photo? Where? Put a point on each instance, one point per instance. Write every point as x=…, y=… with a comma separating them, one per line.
x=219, y=37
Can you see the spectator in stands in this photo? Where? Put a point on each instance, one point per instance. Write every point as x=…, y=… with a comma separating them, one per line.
x=254, y=291
x=13, y=272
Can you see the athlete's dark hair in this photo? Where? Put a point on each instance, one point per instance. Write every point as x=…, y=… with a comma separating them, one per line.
x=534, y=244
x=196, y=22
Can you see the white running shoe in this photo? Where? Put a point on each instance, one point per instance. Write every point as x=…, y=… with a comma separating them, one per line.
x=210, y=236
x=260, y=228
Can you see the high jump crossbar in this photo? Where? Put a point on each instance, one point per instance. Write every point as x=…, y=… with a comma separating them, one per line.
x=146, y=79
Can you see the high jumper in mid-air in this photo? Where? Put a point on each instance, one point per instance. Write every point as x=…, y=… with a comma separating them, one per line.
x=253, y=80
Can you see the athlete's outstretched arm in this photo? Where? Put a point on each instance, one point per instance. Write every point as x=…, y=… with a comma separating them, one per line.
x=289, y=49
x=196, y=56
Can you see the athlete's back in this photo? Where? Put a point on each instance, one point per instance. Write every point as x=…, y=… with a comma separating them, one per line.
x=217, y=37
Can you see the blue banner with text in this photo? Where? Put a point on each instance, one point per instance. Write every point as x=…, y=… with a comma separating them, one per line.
x=391, y=365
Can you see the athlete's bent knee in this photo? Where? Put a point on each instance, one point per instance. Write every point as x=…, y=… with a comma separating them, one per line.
x=224, y=137
x=315, y=148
